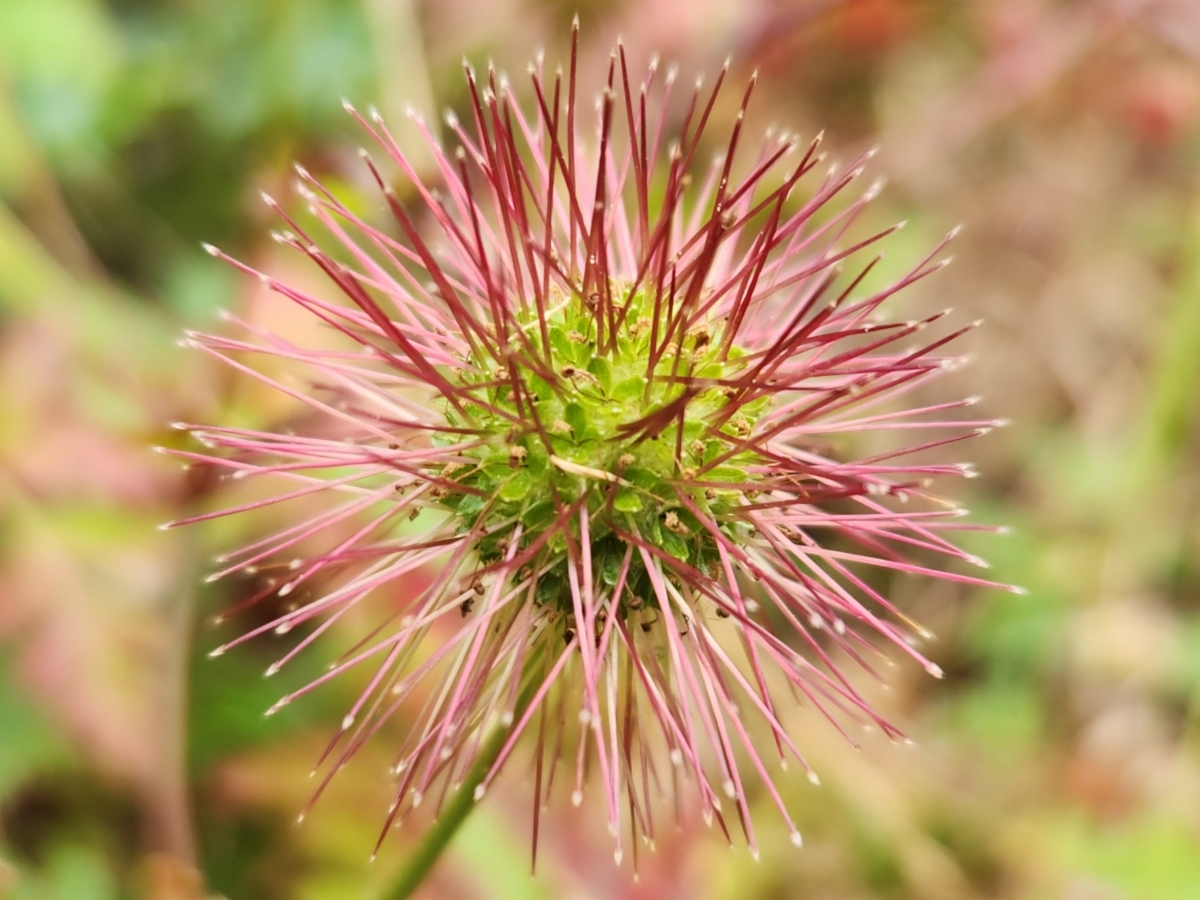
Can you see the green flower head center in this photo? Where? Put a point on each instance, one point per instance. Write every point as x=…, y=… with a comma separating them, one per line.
x=609, y=432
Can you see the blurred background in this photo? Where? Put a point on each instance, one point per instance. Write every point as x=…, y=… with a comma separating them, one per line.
x=1060, y=757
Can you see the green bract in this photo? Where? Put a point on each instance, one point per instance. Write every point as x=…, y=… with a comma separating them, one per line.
x=606, y=433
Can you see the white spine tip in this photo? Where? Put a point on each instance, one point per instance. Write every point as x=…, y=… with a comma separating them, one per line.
x=210, y=250
x=676, y=757
x=1017, y=589
x=585, y=717
x=954, y=232
x=797, y=839
x=272, y=669
x=347, y=722
x=754, y=854
x=730, y=789
x=300, y=818
x=934, y=669
x=506, y=718
x=618, y=855
x=814, y=779
x=347, y=105
x=417, y=798
x=220, y=651
x=576, y=798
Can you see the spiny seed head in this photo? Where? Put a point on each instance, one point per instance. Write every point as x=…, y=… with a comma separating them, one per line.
x=610, y=403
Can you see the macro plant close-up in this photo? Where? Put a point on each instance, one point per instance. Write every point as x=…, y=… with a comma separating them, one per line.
x=604, y=402
x=566, y=470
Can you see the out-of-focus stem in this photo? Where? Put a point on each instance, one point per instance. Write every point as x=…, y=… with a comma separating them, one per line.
x=174, y=802
x=454, y=813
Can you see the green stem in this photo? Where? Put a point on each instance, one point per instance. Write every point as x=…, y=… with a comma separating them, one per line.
x=453, y=813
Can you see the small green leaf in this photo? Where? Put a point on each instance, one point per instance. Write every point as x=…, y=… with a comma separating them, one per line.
x=643, y=478
x=538, y=386
x=600, y=368
x=725, y=474
x=629, y=389
x=549, y=589
x=627, y=500
x=610, y=569
x=517, y=486
x=576, y=418
x=675, y=545
x=539, y=515
x=562, y=345
x=536, y=463
x=470, y=505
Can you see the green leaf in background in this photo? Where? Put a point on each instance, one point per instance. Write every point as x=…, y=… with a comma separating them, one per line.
x=28, y=745
x=63, y=56
x=71, y=873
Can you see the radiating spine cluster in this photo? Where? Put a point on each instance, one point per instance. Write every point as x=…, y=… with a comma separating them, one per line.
x=586, y=410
